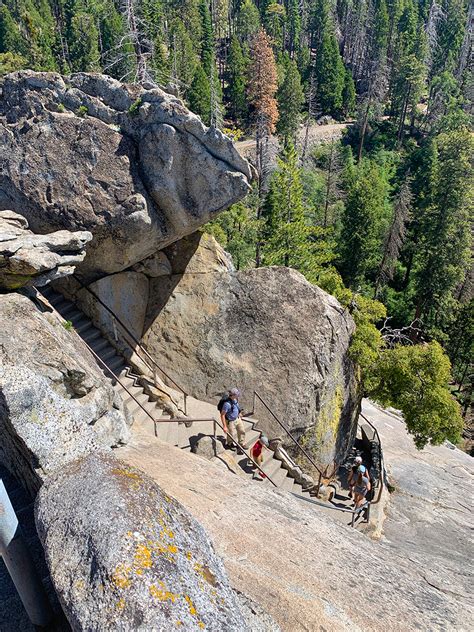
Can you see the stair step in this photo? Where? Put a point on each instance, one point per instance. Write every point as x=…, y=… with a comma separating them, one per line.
x=163, y=430
x=287, y=484
x=183, y=436
x=271, y=466
x=82, y=324
x=278, y=477
x=98, y=344
x=69, y=310
x=92, y=334
x=108, y=353
x=134, y=394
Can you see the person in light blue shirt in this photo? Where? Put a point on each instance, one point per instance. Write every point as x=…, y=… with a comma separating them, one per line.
x=231, y=418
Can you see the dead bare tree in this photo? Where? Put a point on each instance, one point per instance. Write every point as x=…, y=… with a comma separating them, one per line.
x=395, y=236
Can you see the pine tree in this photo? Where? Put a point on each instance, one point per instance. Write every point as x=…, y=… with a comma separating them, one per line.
x=236, y=80
x=444, y=226
x=183, y=60
x=11, y=40
x=84, y=51
x=207, y=42
x=290, y=100
x=248, y=21
x=199, y=95
x=348, y=95
x=294, y=27
x=362, y=224
x=330, y=75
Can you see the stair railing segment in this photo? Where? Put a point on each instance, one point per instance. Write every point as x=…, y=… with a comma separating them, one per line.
x=226, y=433
x=137, y=342
x=296, y=442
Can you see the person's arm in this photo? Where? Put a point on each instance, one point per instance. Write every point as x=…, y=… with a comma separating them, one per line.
x=224, y=420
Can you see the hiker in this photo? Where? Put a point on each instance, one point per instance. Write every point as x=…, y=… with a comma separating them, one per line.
x=361, y=486
x=231, y=418
x=353, y=475
x=257, y=456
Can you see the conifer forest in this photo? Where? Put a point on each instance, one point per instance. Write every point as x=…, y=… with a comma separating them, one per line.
x=379, y=214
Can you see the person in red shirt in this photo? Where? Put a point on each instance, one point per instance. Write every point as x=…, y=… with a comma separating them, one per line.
x=257, y=456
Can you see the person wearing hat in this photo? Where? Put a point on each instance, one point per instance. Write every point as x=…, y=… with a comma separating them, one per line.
x=257, y=455
x=353, y=474
x=361, y=486
x=231, y=418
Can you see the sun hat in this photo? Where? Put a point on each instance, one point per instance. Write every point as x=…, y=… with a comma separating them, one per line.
x=358, y=459
x=264, y=440
x=234, y=391
x=362, y=469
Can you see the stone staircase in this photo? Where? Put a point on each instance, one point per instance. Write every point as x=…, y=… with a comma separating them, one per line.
x=176, y=434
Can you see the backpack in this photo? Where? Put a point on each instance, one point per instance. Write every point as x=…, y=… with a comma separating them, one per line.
x=222, y=401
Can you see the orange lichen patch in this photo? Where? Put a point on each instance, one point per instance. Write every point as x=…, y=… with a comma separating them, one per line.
x=168, y=499
x=167, y=532
x=192, y=609
x=205, y=573
x=133, y=476
x=178, y=623
x=121, y=576
x=201, y=625
x=79, y=584
x=120, y=604
x=129, y=534
x=189, y=555
x=162, y=594
x=142, y=558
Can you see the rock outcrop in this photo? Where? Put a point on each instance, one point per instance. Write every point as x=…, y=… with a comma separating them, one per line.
x=133, y=166
x=304, y=568
x=125, y=556
x=55, y=405
x=27, y=259
x=266, y=329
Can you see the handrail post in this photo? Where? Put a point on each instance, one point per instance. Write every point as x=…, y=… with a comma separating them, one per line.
x=318, y=486
x=214, y=425
x=353, y=518
x=185, y=404
x=20, y=566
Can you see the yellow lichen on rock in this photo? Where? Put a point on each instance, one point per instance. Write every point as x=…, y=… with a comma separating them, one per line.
x=162, y=594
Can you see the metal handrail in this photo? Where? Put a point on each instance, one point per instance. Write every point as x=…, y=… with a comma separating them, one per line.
x=135, y=340
x=382, y=465
x=226, y=433
x=295, y=441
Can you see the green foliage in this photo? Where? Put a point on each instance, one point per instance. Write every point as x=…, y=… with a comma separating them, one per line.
x=415, y=379
x=11, y=62
x=290, y=99
x=330, y=76
x=84, y=52
x=363, y=223
x=68, y=326
x=199, y=95
x=82, y=111
x=134, y=109
x=237, y=65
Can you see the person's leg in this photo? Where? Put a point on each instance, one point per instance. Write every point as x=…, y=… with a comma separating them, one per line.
x=258, y=460
x=231, y=428
x=239, y=424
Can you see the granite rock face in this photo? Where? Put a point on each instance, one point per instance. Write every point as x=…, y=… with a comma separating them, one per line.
x=132, y=166
x=125, y=556
x=55, y=405
x=266, y=329
x=27, y=259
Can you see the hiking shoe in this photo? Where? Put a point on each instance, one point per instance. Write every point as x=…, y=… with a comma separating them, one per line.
x=257, y=477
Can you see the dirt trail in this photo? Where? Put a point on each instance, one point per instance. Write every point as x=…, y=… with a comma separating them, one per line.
x=317, y=134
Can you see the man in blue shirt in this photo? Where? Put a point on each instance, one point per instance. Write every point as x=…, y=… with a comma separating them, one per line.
x=231, y=418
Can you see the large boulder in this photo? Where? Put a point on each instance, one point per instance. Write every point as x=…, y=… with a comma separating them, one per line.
x=55, y=404
x=125, y=556
x=131, y=165
x=265, y=329
x=27, y=259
